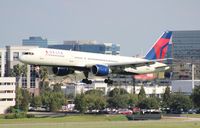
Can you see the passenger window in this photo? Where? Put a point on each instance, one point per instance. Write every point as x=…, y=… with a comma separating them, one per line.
x=28, y=53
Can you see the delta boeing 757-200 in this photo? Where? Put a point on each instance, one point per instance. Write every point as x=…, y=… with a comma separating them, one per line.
x=65, y=62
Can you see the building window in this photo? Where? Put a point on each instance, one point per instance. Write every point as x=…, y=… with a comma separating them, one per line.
x=9, y=91
x=9, y=99
x=2, y=91
x=32, y=82
x=7, y=83
x=15, y=55
x=24, y=82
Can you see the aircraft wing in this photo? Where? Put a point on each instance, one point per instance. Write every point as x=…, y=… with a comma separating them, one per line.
x=139, y=63
x=144, y=62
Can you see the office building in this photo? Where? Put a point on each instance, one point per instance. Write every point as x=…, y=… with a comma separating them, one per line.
x=2, y=62
x=185, y=52
x=186, y=45
x=35, y=41
x=89, y=46
x=29, y=80
x=7, y=93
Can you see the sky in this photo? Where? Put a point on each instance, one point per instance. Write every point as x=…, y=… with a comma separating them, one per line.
x=134, y=24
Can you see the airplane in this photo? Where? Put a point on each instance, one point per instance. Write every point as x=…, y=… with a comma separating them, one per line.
x=66, y=62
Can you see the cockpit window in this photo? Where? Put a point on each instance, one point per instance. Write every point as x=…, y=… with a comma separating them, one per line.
x=28, y=53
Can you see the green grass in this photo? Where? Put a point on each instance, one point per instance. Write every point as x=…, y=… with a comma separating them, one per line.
x=71, y=118
x=191, y=115
x=107, y=124
x=95, y=121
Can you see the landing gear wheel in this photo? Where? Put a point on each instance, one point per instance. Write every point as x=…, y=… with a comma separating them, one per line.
x=86, y=78
x=108, y=81
x=87, y=81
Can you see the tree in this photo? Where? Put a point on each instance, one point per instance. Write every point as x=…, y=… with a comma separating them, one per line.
x=166, y=97
x=117, y=91
x=119, y=101
x=22, y=99
x=142, y=94
x=19, y=97
x=25, y=100
x=80, y=103
x=37, y=101
x=53, y=106
x=57, y=87
x=148, y=103
x=52, y=99
x=44, y=73
x=94, y=92
x=44, y=87
x=118, y=98
x=133, y=100
x=57, y=99
x=196, y=96
x=180, y=102
x=95, y=100
x=100, y=102
x=18, y=70
x=45, y=95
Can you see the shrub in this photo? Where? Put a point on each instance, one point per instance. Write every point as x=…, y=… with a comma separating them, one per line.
x=10, y=116
x=20, y=115
x=16, y=115
x=30, y=115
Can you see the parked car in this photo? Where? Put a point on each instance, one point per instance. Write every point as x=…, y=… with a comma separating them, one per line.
x=192, y=111
x=125, y=111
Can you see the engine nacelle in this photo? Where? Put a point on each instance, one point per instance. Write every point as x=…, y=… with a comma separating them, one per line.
x=61, y=71
x=100, y=70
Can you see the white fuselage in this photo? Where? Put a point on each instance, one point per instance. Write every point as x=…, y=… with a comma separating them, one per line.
x=55, y=57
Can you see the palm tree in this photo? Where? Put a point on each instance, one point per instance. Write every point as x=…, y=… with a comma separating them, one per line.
x=44, y=74
x=18, y=70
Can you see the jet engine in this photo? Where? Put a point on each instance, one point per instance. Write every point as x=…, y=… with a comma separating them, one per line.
x=100, y=70
x=61, y=71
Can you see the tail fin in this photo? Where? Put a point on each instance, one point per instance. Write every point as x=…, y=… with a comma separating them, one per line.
x=159, y=49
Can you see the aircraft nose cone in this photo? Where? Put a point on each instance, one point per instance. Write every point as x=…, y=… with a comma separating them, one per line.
x=21, y=58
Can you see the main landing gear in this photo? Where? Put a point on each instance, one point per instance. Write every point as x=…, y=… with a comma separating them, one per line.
x=108, y=81
x=86, y=78
x=87, y=81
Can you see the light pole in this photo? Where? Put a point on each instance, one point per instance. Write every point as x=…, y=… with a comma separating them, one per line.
x=193, y=66
x=193, y=70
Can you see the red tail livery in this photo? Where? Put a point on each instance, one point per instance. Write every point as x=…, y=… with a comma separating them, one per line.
x=159, y=49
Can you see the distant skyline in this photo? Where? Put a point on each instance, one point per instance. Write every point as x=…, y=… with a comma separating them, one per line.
x=134, y=24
